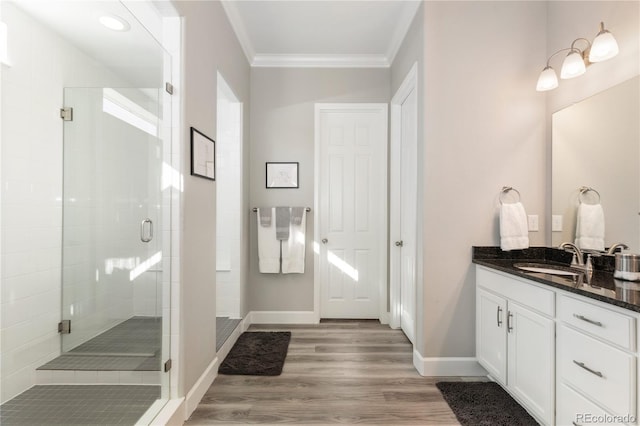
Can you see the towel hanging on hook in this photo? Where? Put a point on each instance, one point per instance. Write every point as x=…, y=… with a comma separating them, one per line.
x=514, y=230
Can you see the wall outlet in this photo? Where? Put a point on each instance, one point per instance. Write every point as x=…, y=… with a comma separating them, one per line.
x=533, y=222
x=556, y=223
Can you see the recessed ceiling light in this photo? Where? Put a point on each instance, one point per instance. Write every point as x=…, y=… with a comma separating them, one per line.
x=114, y=23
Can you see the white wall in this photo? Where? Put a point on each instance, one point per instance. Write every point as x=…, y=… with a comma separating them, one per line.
x=32, y=160
x=31, y=199
x=484, y=127
x=210, y=46
x=282, y=129
x=229, y=216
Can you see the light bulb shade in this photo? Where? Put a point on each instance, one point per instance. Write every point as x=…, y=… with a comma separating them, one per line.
x=604, y=47
x=548, y=80
x=573, y=65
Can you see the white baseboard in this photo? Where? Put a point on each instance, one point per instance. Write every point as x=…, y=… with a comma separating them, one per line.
x=447, y=366
x=172, y=414
x=282, y=317
x=385, y=318
x=195, y=394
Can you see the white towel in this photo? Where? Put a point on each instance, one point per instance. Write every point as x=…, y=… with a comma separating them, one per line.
x=293, y=249
x=590, y=227
x=268, y=247
x=514, y=231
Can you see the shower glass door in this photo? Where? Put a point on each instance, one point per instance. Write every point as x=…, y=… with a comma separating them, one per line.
x=112, y=232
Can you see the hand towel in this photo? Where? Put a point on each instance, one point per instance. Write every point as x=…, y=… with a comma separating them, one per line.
x=296, y=215
x=265, y=216
x=514, y=231
x=590, y=227
x=268, y=247
x=283, y=220
x=293, y=250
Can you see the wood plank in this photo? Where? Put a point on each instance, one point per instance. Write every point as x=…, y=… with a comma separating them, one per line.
x=336, y=372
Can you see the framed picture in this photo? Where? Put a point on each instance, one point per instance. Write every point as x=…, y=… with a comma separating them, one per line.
x=282, y=175
x=203, y=155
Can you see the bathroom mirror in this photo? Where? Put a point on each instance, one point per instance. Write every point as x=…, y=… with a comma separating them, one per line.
x=596, y=143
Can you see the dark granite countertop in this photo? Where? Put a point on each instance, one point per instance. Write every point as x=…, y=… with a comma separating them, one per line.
x=601, y=285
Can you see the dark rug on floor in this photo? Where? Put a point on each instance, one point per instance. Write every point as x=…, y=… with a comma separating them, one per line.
x=257, y=354
x=484, y=403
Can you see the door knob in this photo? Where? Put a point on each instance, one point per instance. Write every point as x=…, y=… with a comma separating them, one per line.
x=399, y=243
x=325, y=241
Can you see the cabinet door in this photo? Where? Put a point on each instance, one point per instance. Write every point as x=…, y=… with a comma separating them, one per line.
x=531, y=349
x=491, y=337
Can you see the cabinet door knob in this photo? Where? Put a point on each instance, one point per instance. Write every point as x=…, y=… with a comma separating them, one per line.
x=399, y=243
x=325, y=241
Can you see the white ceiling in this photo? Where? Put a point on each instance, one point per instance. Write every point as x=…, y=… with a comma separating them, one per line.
x=134, y=54
x=317, y=33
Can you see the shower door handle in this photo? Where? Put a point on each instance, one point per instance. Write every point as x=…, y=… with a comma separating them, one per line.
x=148, y=237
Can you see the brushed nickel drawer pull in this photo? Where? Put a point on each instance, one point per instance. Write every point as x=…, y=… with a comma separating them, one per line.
x=590, y=321
x=581, y=364
x=509, y=319
x=499, y=316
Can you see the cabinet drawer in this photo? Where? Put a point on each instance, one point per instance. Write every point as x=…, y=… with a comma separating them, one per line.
x=601, y=372
x=521, y=291
x=599, y=321
x=573, y=409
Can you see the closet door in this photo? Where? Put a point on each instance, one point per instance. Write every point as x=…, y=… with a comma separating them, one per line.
x=351, y=191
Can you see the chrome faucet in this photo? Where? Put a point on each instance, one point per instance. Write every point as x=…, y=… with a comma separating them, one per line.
x=577, y=253
x=616, y=246
x=578, y=261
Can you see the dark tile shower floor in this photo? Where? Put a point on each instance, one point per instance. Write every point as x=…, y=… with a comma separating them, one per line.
x=133, y=345
x=126, y=346
x=103, y=405
x=224, y=328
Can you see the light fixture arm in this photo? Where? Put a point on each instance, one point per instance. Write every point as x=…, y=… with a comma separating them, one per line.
x=559, y=51
x=583, y=52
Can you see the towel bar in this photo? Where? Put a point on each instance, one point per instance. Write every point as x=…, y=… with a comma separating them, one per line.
x=507, y=189
x=307, y=209
x=584, y=190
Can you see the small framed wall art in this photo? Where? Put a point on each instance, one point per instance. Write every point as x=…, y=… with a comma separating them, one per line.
x=203, y=155
x=282, y=175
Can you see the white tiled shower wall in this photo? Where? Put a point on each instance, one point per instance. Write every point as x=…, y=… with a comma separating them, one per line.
x=228, y=213
x=32, y=93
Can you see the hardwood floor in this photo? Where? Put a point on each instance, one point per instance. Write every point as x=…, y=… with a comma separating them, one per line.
x=336, y=372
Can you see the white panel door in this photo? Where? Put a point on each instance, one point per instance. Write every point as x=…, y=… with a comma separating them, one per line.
x=404, y=206
x=351, y=222
x=408, y=210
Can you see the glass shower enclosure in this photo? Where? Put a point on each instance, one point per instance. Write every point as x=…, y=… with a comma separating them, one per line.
x=112, y=273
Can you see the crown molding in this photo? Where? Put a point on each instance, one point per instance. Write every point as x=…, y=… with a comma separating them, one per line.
x=238, y=27
x=402, y=28
x=320, y=61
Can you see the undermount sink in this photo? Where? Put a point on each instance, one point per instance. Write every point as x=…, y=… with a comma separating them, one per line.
x=544, y=268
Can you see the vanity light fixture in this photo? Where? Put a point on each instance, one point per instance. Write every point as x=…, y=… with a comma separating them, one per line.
x=604, y=46
x=575, y=64
x=114, y=23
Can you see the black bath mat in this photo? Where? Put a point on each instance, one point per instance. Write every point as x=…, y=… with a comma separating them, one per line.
x=257, y=354
x=484, y=403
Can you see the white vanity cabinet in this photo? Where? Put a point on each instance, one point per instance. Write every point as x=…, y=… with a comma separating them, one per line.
x=515, y=339
x=568, y=359
x=595, y=360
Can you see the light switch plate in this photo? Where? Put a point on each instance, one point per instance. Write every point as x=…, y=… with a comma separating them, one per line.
x=556, y=223
x=533, y=222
